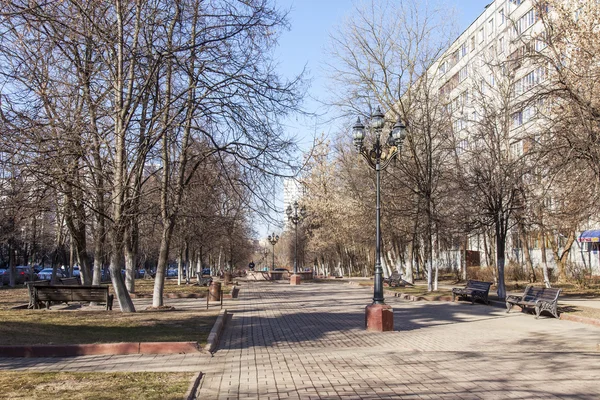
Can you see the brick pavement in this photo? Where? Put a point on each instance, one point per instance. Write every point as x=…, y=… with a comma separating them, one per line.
x=308, y=342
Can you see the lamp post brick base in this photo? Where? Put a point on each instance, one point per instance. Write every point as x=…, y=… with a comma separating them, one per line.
x=379, y=318
x=295, y=279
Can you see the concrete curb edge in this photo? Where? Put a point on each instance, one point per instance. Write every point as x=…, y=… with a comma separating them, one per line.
x=215, y=332
x=190, y=394
x=70, y=350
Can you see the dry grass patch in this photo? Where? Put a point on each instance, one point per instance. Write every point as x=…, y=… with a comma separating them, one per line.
x=12, y=297
x=17, y=296
x=580, y=311
x=97, y=385
x=145, y=288
x=29, y=327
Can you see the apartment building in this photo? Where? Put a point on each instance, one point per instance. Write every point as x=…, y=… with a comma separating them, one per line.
x=292, y=191
x=494, y=47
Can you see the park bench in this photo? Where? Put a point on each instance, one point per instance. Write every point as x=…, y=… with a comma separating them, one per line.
x=477, y=290
x=395, y=280
x=204, y=281
x=67, y=293
x=540, y=298
x=31, y=284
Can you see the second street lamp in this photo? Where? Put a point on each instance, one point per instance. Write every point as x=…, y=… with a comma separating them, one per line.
x=295, y=218
x=378, y=315
x=273, y=239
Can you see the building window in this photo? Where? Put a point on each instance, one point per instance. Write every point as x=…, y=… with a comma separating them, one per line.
x=463, y=73
x=463, y=145
x=463, y=50
x=501, y=45
x=481, y=36
x=501, y=18
x=517, y=119
x=517, y=148
x=472, y=43
x=491, y=27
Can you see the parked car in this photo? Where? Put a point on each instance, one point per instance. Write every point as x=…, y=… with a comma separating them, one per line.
x=24, y=274
x=46, y=274
x=206, y=271
x=171, y=272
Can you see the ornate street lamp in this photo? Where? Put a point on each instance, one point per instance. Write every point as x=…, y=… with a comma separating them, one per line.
x=379, y=316
x=273, y=239
x=295, y=218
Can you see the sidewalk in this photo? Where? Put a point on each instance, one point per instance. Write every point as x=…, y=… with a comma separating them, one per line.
x=309, y=342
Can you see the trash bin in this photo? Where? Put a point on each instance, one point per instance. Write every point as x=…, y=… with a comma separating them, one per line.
x=227, y=278
x=214, y=291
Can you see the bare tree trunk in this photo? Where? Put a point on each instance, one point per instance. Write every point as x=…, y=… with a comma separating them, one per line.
x=545, y=263
x=526, y=253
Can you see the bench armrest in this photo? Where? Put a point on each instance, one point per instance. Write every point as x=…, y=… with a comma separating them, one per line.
x=513, y=298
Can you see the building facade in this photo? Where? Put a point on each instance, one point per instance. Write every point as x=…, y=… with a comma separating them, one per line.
x=495, y=47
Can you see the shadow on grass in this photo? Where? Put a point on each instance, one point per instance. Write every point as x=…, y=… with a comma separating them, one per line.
x=105, y=327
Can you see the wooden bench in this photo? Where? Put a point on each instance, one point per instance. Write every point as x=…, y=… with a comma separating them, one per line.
x=540, y=298
x=395, y=280
x=69, y=281
x=204, y=281
x=66, y=293
x=477, y=290
x=31, y=291
x=60, y=281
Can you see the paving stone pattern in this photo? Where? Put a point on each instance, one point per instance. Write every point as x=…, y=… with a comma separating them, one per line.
x=309, y=342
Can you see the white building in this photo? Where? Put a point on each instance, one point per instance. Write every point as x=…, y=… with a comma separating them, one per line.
x=292, y=191
x=504, y=33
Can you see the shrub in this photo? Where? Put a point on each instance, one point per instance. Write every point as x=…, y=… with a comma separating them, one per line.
x=486, y=274
x=578, y=274
x=513, y=271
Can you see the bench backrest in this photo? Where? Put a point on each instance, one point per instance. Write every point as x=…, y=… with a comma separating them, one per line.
x=31, y=284
x=480, y=285
x=395, y=275
x=533, y=293
x=69, y=281
x=71, y=293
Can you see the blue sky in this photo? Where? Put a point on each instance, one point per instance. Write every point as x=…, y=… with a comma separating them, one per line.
x=306, y=42
x=304, y=46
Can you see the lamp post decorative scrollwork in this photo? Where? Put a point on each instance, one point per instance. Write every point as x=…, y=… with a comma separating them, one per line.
x=379, y=157
x=295, y=218
x=273, y=239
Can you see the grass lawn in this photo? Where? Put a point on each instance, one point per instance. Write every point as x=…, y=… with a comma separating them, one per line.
x=97, y=385
x=27, y=327
x=12, y=297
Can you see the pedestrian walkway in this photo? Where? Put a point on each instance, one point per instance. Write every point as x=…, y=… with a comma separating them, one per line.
x=309, y=342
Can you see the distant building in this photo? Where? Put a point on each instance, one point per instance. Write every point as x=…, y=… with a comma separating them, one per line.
x=293, y=191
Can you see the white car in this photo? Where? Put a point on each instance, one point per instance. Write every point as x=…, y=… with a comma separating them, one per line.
x=46, y=274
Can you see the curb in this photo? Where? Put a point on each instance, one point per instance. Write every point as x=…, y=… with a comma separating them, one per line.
x=215, y=332
x=70, y=350
x=576, y=318
x=190, y=394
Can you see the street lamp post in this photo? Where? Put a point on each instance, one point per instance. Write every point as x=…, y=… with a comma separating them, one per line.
x=273, y=239
x=378, y=315
x=295, y=218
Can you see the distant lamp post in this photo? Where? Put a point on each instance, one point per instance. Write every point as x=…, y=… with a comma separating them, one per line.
x=295, y=218
x=273, y=239
x=378, y=315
